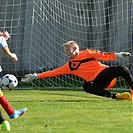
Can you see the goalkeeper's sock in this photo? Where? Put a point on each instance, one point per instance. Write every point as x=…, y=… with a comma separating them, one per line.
x=5, y=104
x=113, y=96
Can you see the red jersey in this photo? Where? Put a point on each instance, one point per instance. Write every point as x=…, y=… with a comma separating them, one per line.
x=85, y=65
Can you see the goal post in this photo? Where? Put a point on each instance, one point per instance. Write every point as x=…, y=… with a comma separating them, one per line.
x=39, y=28
x=132, y=36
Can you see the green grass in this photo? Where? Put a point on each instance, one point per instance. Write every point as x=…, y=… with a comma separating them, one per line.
x=68, y=111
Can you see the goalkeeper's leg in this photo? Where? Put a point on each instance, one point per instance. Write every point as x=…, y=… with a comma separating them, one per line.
x=108, y=74
x=92, y=89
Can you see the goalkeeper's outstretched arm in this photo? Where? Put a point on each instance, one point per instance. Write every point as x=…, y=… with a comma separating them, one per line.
x=31, y=77
x=71, y=49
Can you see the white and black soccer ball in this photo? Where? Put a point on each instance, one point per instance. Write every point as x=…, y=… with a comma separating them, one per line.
x=9, y=81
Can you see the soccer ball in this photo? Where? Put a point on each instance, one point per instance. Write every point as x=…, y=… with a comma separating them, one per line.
x=9, y=81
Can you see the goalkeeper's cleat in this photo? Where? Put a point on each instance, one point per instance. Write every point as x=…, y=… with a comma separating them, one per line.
x=5, y=126
x=29, y=77
x=18, y=113
x=123, y=96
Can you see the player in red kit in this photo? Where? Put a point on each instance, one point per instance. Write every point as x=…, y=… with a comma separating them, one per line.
x=12, y=113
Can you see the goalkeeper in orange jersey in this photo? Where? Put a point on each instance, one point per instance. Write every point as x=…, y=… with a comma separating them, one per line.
x=85, y=64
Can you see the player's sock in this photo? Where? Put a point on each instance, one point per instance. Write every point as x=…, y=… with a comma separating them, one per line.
x=5, y=104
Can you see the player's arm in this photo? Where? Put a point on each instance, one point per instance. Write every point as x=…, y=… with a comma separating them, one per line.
x=4, y=46
x=7, y=51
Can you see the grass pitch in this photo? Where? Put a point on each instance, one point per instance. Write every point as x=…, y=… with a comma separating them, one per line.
x=68, y=111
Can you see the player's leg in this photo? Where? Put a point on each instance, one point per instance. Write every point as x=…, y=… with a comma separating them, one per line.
x=13, y=114
x=5, y=104
x=4, y=124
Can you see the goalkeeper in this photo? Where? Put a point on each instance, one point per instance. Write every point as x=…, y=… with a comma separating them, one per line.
x=85, y=64
x=13, y=114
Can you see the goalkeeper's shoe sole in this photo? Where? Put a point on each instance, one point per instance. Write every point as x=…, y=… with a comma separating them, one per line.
x=18, y=113
x=5, y=126
x=123, y=96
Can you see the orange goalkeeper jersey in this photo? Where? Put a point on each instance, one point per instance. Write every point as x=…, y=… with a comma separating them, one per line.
x=85, y=65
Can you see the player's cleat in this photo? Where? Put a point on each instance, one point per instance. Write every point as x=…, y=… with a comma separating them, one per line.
x=18, y=113
x=123, y=96
x=29, y=77
x=5, y=126
x=131, y=95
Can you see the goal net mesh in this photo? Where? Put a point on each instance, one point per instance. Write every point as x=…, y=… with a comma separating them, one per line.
x=38, y=29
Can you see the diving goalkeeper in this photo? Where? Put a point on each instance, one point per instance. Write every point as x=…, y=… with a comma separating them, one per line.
x=85, y=64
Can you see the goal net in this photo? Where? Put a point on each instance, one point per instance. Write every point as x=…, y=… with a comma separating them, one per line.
x=38, y=29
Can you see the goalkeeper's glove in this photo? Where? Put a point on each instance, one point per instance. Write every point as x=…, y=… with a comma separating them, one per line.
x=123, y=54
x=29, y=77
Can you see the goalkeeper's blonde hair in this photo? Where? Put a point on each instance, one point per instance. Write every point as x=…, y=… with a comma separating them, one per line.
x=70, y=44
